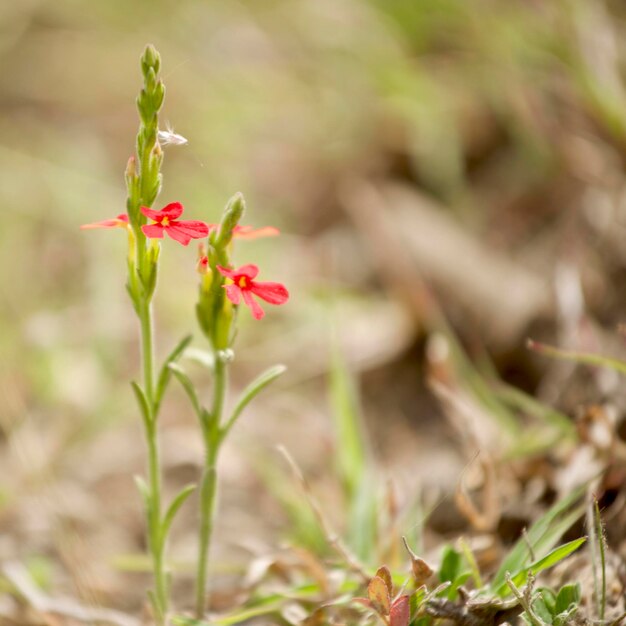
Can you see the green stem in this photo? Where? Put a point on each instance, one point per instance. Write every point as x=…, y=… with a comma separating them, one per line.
x=155, y=542
x=212, y=442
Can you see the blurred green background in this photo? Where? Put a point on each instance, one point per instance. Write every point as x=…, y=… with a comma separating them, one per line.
x=474, y=147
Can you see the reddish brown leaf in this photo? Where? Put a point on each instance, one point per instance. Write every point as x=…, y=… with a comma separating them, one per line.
x=379, y=595
x=384, y=573
x=400, y=612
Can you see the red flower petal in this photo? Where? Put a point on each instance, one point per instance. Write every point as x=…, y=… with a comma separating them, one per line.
x=177, y=234
x=172, y=211
x=121, y=221
x=255, y=307
x=248, y=232
x=226, y=272
x=153, y=231
x=151, y=213
x=249, y=271
x=185, y=231
x=274, y=293
x=233, y=293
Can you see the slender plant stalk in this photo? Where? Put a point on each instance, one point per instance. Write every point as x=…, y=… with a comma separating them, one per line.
x=143, y=181
x=156, y=543
x=212, y=443
x=216, y=317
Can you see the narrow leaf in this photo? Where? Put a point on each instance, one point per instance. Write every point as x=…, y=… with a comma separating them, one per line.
x=351, y=448
x=542, y=536
x=554, y=557
x=173, y=508
x=185, y=381
x=251, y=391
x=144, y=491
x=166, y=373
x=586, y=358
x=143, y=403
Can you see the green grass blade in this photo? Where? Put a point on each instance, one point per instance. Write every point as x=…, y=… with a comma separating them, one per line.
x=543, y=535
x=551, y=559
x=526, y=403
x=350, y=441
x=586, y=358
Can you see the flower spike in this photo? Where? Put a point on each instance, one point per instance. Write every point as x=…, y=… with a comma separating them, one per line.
x=166, y=221
x=241, y=284
x=121, y=221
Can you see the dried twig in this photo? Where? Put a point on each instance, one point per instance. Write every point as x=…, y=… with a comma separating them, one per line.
x=331, y=536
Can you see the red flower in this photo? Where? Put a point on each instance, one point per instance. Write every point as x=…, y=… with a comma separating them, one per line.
x=243, y=286
x=248, y=232
x=121, y=221
x=166, y=221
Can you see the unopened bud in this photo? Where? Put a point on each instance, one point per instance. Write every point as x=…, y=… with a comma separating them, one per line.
x=232, y=214
x=157, y=95
x=202, y=266
x=150, y=59
x=150, y=80
x=131, y=167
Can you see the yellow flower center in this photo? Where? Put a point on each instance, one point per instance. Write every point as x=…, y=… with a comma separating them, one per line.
x=243, y=282
x=165, y=221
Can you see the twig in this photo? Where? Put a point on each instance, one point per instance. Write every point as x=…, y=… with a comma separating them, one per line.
x=331, y=536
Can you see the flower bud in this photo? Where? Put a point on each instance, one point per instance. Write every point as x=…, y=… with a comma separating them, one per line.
x=150, y=59
x=232, y=214
x=150, y=80
x=157, y=95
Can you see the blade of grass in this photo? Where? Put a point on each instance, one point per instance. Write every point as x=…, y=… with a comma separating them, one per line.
x=551, y=559
x=350, y=441
x=599, y=532
x=542, y=535
x=586, y=358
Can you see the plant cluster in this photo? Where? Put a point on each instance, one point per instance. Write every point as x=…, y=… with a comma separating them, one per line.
x=223, y=287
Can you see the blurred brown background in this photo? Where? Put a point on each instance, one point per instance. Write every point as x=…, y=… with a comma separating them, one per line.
x=419, y=156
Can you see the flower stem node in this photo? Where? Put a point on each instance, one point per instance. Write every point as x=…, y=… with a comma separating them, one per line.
x=226, y=356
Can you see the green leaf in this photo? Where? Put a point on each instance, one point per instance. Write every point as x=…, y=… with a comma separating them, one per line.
x=173, y=508
x=549, y=599
x=568, y=595
x=554, y=557
x=526, y=403
x=586, y=358
x=185, y=381
x=143, y=404
x=351, y=449
x=450, y=565
x=251, y=391
x=144, y=490
x=542, y=536
x=363, y=524
x=166, y=373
